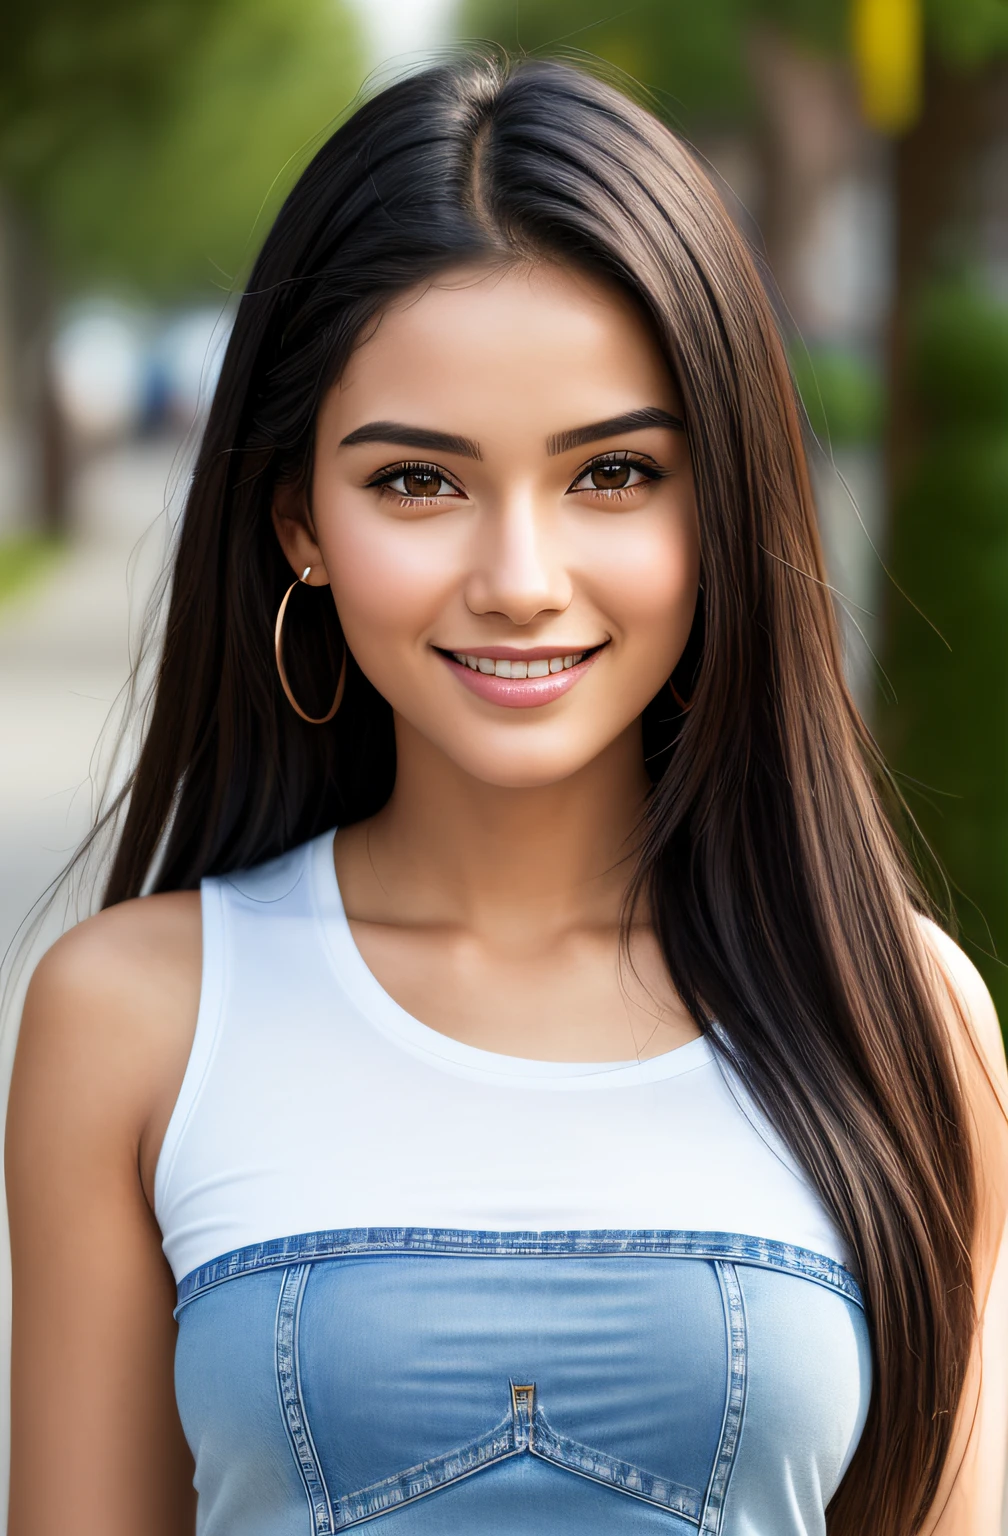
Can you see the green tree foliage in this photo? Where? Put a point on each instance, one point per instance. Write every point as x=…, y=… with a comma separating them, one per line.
x=692, y=56
x=842, y=393
x=947, y=727
x=152, y=141
x=695, y=54
x=967, y=32
x=69, y=68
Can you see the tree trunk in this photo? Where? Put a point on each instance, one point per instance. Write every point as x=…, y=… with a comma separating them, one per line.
x=944, y=722
x=950, y=205
x=33, y=477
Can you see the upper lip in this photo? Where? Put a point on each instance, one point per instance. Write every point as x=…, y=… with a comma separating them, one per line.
x=519, y=653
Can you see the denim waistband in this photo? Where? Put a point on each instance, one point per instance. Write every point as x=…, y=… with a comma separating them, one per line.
x=360, y=1242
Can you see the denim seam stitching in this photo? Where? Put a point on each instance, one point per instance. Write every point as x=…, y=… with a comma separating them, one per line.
x=325, y=1529
x=506, y=1440
x=334, y=1243
x=728, y=1443
x=288, y=1374
x=680, y=1501
x=502, y=1435
x=413, y=1498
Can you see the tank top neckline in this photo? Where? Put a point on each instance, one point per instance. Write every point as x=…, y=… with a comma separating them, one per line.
x=381, y=1010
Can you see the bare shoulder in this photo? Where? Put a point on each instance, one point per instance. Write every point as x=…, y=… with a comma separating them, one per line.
x=123, y=969
x=971, y=1015
x=131, y=935
x=108, y=1023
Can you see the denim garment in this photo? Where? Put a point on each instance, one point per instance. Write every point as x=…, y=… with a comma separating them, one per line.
x=449, y=1382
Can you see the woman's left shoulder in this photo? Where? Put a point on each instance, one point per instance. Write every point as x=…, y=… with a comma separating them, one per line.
x=970, y=1012
x=974, y=1037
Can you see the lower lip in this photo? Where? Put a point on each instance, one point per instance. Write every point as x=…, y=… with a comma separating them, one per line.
x=520, y=692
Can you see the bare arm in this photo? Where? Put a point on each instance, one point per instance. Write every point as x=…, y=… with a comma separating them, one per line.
x=96, y=1443
x=969, y=1501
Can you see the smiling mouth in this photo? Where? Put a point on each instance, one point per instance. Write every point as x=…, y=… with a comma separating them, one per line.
x=517, y=681
x=519, y=669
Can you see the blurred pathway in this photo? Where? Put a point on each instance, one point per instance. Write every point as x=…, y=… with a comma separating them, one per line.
x=64, y=656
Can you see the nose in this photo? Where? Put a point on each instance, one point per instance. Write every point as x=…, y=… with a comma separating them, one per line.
x=518, y=570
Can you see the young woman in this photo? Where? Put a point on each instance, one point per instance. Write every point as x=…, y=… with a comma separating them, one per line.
x=593, y=1135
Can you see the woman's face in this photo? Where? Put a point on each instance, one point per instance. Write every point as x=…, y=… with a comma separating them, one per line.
x=502, y=486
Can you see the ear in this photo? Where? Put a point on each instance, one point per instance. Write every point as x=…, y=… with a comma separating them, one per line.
x=293, y=525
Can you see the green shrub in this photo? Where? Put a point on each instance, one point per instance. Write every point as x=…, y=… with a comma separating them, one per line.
x=22, y=557
x=841, y=392
x=960, y=359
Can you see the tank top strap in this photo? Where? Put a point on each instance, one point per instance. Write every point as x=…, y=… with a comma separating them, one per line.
x=241, y=955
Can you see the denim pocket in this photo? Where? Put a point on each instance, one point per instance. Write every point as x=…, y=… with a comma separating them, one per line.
x=525, y=1430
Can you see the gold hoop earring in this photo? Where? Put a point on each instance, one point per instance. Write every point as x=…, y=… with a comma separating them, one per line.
x=278, y=647
x=683, y=705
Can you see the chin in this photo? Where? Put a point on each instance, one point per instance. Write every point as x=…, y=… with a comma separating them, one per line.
x=522, y=770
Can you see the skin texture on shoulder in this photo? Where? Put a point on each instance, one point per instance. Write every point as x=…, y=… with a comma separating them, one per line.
x=969, y=1501
x=105, y=1036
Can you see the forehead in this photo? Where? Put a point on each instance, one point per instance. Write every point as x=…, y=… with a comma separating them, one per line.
x=542, y=347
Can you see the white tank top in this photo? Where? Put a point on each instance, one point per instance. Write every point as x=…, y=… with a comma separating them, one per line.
x=312, y=1101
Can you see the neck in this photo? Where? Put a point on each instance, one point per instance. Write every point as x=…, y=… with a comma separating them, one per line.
x=483, y=854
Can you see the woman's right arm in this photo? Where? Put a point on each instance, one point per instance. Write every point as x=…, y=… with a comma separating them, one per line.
x=96, y=1442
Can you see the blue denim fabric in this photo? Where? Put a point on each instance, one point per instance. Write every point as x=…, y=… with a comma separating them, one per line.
x=624, y=1382
x=346, y=1242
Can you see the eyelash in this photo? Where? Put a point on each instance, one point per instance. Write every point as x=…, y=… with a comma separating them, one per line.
x=382, y=482
x=645, y=467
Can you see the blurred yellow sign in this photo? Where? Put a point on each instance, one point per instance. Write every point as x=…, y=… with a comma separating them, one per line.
x=888, y=43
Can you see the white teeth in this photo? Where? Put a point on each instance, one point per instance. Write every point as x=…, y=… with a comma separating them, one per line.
x=541, y=667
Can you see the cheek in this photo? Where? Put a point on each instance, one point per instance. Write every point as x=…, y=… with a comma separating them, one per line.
x=389, y=578
x=645, y=575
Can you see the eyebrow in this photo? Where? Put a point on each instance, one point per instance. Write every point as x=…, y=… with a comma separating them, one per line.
x=561, y=442
x=412, y=437
x=630, y=421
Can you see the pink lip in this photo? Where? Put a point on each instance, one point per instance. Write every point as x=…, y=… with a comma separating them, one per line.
x=518, y=692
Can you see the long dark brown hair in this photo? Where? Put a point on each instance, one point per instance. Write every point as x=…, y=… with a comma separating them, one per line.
x=783, y=905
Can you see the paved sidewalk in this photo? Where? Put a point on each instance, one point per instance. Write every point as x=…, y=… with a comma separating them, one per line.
x=64, y=657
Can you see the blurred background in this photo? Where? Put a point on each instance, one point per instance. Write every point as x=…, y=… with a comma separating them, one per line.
x=862, y=145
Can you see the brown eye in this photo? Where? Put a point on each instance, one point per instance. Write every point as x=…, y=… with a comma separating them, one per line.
x=421, y=482
x=418, y=482
x=610, y=477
